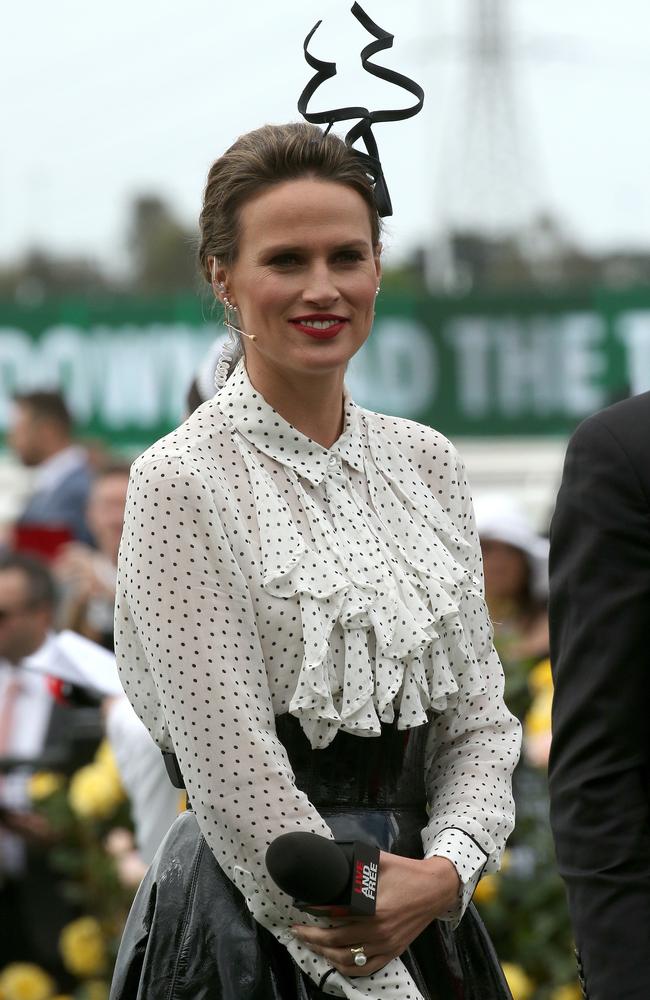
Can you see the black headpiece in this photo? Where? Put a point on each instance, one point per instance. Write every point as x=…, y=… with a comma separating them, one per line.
x=363, y=129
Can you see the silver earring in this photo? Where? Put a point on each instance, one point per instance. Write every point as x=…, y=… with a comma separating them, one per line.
x=378, y=290
x=226, y=300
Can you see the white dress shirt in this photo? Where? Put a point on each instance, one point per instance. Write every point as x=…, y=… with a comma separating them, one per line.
x=261, y=573
x=30, y=718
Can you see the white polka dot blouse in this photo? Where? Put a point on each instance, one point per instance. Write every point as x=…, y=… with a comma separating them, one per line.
x=261, y=573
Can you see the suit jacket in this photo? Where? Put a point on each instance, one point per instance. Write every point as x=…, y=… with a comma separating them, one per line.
x=34, y=906
x=65, y=504
x=600, y=649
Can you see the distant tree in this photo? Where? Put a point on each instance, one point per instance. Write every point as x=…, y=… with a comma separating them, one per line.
x=163, y=251
x=41, y=274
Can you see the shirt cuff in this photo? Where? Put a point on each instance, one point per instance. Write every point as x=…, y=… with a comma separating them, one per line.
x=469, y=861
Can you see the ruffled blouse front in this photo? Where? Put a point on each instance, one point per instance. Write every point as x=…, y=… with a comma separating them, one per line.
x=261, y=573
x=380, y=561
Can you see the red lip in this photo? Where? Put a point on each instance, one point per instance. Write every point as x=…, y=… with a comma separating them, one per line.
x=328, y=334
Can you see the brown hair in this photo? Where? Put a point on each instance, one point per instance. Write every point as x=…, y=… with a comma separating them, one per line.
x=268, y=156
x=46, y=405
x=113, y=467
x=41, y=587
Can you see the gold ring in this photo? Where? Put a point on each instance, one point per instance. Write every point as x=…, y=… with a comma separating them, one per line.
x=359, y=955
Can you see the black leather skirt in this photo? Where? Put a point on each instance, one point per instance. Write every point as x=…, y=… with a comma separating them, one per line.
x=190, y=936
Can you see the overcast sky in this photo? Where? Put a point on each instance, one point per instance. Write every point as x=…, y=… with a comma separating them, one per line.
x=101, y=101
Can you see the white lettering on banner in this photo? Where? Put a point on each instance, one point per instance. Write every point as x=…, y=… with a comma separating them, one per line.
x=15, y=363
x=62, y=358
x=537, y=366
x=634, y=330
x=396, y=371
x=471, y=337
x=582, y=360
x=524, y=358
x=133, y=378
x=511, y=367
x=126, y=376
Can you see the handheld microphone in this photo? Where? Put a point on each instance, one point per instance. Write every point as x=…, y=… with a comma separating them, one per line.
x=315, y=871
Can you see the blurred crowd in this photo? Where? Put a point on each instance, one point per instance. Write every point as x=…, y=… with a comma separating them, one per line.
x=84, y=797
x=524, y=904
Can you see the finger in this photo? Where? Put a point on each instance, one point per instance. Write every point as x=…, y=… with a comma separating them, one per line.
x=356, y=971
x=327, y=911
x=342, y=957
x=344, y=936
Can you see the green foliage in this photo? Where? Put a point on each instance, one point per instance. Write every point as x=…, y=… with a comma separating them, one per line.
x=80, y=855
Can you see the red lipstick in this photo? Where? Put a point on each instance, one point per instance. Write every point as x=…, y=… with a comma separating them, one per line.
x=328, y=325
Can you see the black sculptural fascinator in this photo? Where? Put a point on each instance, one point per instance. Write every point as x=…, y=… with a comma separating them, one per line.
x=363, y=129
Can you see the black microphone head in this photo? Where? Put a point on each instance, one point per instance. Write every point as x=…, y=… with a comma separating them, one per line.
x=308, y=867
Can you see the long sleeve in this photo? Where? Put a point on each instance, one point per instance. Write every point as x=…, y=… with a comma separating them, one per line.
x=600, y=637
x=474, y=745
x=191, y=662
x=154, y=801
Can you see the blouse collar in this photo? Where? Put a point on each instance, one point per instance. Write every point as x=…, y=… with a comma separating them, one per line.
x=263, y=427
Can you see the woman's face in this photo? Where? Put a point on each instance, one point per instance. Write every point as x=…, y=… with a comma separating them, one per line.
x=505, y=569
x=305, y=277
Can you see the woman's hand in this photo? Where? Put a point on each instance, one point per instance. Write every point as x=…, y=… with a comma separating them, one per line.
x=410, y=895
x=75, y=567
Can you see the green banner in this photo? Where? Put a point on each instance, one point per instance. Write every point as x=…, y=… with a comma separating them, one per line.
x=516, y=365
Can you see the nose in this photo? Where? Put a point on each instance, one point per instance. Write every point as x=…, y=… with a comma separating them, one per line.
x=320, y=288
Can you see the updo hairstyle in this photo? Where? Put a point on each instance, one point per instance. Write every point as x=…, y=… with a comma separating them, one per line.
x=265, y=157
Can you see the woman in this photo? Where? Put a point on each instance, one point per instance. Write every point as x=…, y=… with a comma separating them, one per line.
x=515, y=567
x=300, y=619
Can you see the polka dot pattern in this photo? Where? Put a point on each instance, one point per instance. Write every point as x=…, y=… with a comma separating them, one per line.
x=261, y=573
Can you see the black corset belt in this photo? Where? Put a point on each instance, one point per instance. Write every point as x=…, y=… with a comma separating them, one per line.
x=385, y=771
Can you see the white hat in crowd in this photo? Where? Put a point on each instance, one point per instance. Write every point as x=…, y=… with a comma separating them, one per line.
x=501, y=518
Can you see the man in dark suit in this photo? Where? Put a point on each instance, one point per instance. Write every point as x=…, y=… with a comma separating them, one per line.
x=41, y=732
x=600, y=650
x=40, y=434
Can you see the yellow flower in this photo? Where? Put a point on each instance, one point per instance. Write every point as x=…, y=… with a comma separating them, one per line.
x=42, y=784
x=570, y=991
x=105, y=757
x=538, y=717
x=540, y=677
x=95, y=792
x=486, y=890
x=520, y=985
x=537, y=728
x=82, y=946
x=24, y=981
x=95, y=989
